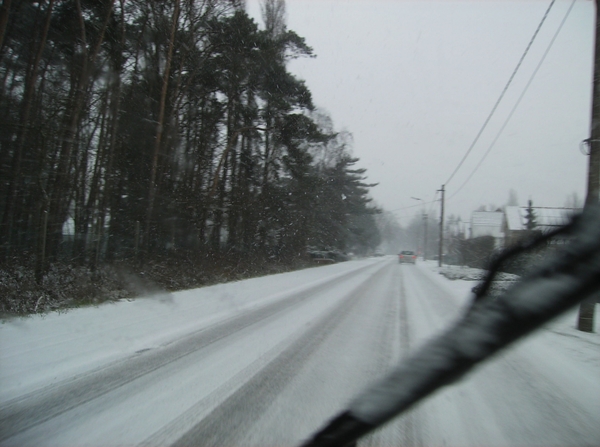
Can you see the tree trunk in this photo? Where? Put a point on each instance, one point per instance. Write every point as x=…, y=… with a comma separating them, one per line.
x=4, y=12
x=60, y=192
x=160, y=128
x=15, y=180
x=107, y=196
x=85, y=206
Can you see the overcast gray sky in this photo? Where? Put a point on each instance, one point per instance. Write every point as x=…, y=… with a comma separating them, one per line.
x=414, y=81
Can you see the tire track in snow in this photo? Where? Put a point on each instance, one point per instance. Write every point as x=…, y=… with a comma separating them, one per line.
x=402, y=430
x=363, y=347
x=228, y=422
x=410, y=422
x=404, y=319
x=20, y=414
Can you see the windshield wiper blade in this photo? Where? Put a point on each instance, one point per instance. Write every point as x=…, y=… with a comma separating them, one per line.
x=569, y=276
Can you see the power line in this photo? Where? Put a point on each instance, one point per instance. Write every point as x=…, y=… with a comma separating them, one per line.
x=518, y=100
x=432, y=202
x=502, y=94
x=408, y=207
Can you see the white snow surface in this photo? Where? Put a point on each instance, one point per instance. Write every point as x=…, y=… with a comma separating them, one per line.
x=39, y=351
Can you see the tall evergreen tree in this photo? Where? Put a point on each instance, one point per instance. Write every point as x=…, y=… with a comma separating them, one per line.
x=530, y=217
x=173, y=127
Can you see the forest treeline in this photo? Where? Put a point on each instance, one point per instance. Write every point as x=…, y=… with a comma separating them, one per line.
x=139, y=129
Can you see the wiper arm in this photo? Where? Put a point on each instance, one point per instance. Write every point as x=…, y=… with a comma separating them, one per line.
x=569, y=276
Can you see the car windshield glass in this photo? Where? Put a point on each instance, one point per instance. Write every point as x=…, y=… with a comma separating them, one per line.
x=205, y=207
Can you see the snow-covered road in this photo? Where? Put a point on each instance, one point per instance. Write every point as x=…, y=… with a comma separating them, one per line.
x=267, y=361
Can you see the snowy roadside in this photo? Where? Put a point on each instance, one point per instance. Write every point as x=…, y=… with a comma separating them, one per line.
x=463, y=279
x=501, y=282
x=568, y=357
x=561, y=333
x=40, y=350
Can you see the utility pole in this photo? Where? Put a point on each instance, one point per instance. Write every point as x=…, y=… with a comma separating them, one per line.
x=586, y=308
x=441, y=250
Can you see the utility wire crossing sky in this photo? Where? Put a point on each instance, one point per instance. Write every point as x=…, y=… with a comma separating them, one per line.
x=413, y=81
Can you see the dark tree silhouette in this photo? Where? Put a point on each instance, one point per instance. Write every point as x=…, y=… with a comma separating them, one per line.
x=148, y=131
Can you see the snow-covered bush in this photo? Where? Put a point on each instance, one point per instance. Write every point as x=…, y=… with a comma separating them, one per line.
x=502, y=280
x=61, y=287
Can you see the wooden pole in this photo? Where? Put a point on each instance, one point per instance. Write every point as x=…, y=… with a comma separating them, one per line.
x=586, y=309
x=441, y=249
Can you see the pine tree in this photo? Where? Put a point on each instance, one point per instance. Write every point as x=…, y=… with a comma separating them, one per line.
x=169, y=127
x=530, y=217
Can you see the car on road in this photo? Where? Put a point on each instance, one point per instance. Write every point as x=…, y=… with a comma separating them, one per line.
x=407, y=257
x=327, y=256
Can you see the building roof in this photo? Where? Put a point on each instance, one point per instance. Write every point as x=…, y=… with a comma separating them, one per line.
x=546, y=218
x=485, y=223
x=487, y=218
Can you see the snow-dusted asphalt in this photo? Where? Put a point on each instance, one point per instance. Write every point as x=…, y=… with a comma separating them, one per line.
x=271, y=368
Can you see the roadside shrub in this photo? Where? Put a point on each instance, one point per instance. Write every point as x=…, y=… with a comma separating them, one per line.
x=66, y=286
x=477, y=252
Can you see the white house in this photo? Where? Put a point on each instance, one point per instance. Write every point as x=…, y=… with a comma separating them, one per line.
x=488, y=223
x=546, y=219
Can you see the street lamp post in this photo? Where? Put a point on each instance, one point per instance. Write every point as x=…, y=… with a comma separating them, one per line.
x=424, y=228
